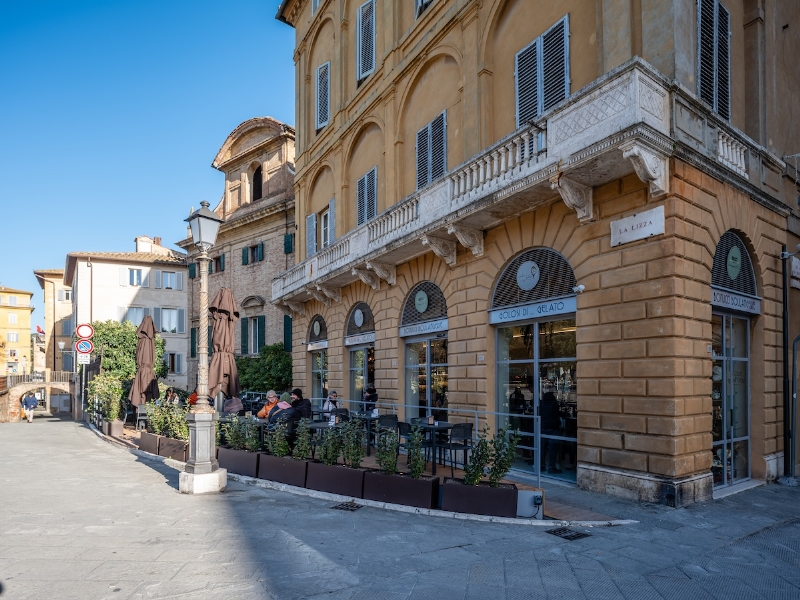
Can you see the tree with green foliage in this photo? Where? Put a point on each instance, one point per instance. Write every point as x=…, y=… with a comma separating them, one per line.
x=271, y=370
x=302, y=443
x=115, y=343
x=416, y=457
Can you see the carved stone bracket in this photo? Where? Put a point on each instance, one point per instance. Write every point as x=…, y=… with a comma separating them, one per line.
x=384, y=271
x=575, y=195
x=368, y=277
x=297, y=307
x=333, y=293
x=320, y=296
x=443, y=248
x=650, y=166
x=468, y=237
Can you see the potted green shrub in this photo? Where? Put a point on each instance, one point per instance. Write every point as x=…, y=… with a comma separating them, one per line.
x=408, y=489
x=174, y=430
x=328, y=476
x=108, y=390
x=278, y=465
x=148, y=440
x=240, y=456
x=492, y=460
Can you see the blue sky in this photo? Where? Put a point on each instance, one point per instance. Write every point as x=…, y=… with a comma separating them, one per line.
x=111, y=112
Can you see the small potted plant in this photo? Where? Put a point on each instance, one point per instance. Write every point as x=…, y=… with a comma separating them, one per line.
x=493, y=460
x=148, y=441
x=278, y=465
x=387, y=485
x=241, y=455
x=175, y=432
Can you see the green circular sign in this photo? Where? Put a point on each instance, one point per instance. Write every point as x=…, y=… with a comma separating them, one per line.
x=734, y=263
x=316, y=327
x=421, y=301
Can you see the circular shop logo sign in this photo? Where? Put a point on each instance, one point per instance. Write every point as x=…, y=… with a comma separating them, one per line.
x=358, y=317
x=734, y=263
x=528, y=275
x=421, y=301
x=316, y=328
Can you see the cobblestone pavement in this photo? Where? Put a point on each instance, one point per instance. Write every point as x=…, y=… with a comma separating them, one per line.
x=85, y=519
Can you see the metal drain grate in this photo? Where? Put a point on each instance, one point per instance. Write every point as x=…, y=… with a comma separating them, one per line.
x=567, y=534
x=349, y=506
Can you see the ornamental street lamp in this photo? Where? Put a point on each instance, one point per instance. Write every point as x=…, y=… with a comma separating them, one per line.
x=202, y=474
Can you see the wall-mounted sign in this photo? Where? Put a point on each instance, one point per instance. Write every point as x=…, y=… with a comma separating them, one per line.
x=421, y=301
x=423, y=328
x=358, y=317
x=555, y=306
x=734, y=262
x=638, y=227
x=362, y=338
x=734, y=301
x=317, y=345
x=528, y=275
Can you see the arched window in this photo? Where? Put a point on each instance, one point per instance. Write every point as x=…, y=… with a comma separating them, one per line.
x=256, y=187
x=318, y=347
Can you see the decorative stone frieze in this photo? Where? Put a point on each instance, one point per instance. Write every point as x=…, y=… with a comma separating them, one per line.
x=469, y=237
x=444, y=249
x=334, y=293
x=651, y=167
x=368, y=277
x=575, y=195
x=384, y=271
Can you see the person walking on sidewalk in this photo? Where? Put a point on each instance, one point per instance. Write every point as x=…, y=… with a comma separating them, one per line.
x=29, y=403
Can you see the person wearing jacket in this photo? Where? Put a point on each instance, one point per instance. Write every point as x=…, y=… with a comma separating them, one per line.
x=29, y=403
x=550, y=414
x=272, y=402
x=302, y=405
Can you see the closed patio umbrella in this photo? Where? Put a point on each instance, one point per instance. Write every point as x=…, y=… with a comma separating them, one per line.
x=222, y=373
x=145, y=384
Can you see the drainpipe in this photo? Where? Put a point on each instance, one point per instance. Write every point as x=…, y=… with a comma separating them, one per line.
x=788, y=426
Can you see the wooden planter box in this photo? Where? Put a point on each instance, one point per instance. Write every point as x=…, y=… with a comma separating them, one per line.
x=239, y=462
x=401, y=489
x=114, y=428
x=149, y=442
x=336, y=479
x=171, y=448
x=282, y=469
x=479, y=499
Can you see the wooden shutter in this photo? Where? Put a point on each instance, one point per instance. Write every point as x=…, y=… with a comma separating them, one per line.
x=438, y=146
x=365, y=39
x=323, y=95
x=288, y=243
x=192, y=270
x=221, y=262
x=245, y=255
x=157, y=318
x=555, y=64
x=706, y=34
x=526, y=76
x=260, y=251
x=179, y=281
x=332, y=221
x=423, y=157
x=123, y=276
x=193, y=343
x=723, y=106
x=181, y=320
x=157, y=279
x=287, y=333
x=210, y=267
x=372, y=193
x=244, y=347
x=145, y=278
x=311, y=234
x=361, y=199
x=261, y=329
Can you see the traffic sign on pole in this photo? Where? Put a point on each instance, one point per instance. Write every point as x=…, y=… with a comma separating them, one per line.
x=84, y=359
x=84, y=346
x=84, y=330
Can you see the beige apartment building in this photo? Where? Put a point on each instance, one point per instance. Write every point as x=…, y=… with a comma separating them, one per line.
x=58, y=325
x=256, y=240
x=15, y=331
x=511, y=204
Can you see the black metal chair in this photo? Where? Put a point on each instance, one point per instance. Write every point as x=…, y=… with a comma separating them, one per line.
x=460, y=439
x=404, y=430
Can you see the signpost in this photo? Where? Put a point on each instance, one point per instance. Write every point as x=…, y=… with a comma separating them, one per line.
x=84, y=331
x=83, y=349
x=84, y=346
x=84, y=359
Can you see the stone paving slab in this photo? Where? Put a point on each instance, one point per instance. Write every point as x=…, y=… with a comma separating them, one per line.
x=92, y=520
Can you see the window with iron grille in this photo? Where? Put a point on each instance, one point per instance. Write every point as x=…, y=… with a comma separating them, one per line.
x=367, y=196
x=323, y=94
x=366, y=319
x=713, y=56
x=731, y=249
x=432, y=151
x=318, y=331
x=556, y=279
x=365, y=40
x=541, y=72
x=436, y=307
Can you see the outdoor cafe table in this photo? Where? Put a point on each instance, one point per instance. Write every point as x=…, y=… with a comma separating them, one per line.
x=432, y=431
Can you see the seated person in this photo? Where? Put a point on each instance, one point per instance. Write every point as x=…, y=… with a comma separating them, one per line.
x=370, y=398
x=272, y=402
x=283, y=411
x=331, y=403
x=300, y=404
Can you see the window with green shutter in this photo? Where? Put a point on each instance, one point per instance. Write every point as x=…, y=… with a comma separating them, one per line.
x=288, y=243
x=245, y=255
x=261, y=328
x=192, y=273
x=260, y=251
x=287, y=333
x=244, y=346
x=193, y=343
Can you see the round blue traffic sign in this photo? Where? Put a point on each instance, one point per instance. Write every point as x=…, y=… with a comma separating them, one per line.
x=84, y=346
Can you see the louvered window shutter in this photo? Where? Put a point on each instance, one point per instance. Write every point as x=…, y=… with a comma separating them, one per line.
x=287, y=333
x=245, y=255
x=193, y=343
x=179, y=281
x=157, y=279
x=361, y=201
x=179, y=363
x=210, y=267
x=423, y=157
x=221, y=262
x=157, y=318
x=323, y=95
x=261, y=329
x=438, y=146
x=365, y=43
x=245, y=349
x=372, y=193
x=146, y=278
x=146, y=311
x=192, y=271
x=311, y=234
x=260, y=251
x=706, y=35
x=288, y=243
x=555, y=64
x=122, y=313
x=723, y=62
x=181, y=320
x=61, y=295
x=123, y=276
x=526, y=74
x=332, y=221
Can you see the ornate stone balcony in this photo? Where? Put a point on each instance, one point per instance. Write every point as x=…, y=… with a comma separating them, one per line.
x=630, y=120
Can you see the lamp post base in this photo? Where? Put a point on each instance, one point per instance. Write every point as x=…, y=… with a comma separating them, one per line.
x=203, y=483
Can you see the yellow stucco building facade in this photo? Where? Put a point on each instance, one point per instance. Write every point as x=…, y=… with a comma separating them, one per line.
x=15, y=331
x=566, y=217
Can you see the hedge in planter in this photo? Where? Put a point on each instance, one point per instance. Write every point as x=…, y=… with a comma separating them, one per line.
x=241, y=455
x=278, y=465
x=485, y=498
x=328, y=476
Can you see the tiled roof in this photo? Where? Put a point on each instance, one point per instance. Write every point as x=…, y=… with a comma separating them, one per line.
x=175, y=258
x=6, y=290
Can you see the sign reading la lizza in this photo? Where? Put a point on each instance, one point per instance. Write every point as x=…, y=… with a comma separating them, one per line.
x=638, y=227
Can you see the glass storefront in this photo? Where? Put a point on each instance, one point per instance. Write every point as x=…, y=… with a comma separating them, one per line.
x=319, y=376
x=362, y=372
x=426, y=378
x=536, y=375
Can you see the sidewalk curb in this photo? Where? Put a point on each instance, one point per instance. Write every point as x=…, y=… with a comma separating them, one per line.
x=282, y=487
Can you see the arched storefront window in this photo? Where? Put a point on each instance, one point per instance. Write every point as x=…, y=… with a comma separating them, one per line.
x=533, y=307
x=318, y=349
x=423, y=325
x=734, y=299
x=360, y=341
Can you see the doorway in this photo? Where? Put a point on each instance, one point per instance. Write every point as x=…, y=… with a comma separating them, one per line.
x=426, y=377
x=362, y=372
